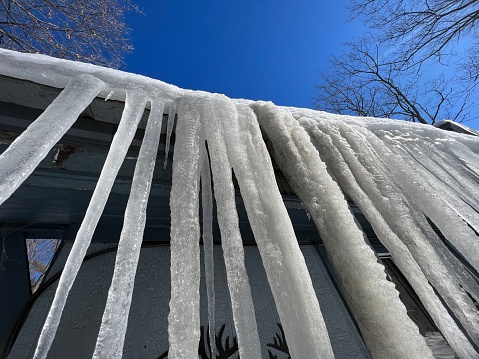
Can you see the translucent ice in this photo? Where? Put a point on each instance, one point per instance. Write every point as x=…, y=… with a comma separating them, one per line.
x=207, y=207
x=213, y=112
x=115, y=317
x=28, y=149
x=184, y=317
x=285, y=267
x=134, y=108
x=373, y=300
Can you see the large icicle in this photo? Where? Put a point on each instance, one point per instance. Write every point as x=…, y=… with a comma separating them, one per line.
x=213, y=113
x=285, y=267
x=115, y=317
x=184, y=317
x=408, y=223
x=402, y=257
x=28, y=149
x=208, y=250
x=373, y=300
x=429, y=198
x=134, y=108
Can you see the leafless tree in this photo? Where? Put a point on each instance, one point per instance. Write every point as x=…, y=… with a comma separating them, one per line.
x=91, y=31
x=421, y=29
x=386, y=74
x=365, y=83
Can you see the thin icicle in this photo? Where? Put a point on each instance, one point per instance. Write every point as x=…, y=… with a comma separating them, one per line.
x=373, y=300
x=402, y=257
x=25, y=153
x=134, y=108
x=184, y=316
x=207, y=207
x=169, y=129
x=115, y=317
x=213, y=113
x=283, y=261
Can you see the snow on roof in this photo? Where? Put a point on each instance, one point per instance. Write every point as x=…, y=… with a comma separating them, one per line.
x=54, y=72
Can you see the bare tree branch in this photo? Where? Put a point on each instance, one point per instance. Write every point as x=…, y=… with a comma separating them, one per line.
x=388, y=74
x=91, y=31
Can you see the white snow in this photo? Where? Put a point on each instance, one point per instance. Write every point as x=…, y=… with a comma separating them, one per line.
x=397, y=173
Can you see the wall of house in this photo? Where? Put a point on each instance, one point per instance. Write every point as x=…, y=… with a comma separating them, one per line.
x=147, y=327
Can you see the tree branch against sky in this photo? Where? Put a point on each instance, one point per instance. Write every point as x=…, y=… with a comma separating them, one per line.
x=91, y=31
x=419, y=62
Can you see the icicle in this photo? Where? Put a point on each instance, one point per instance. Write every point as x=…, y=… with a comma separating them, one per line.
x=110, y=95
x=213, y=113
x=207, y=207
x=408, y=223
x=115, y=317
x=465, y=203
x=447, y=170
x=402, y=257
x=285, y=267
x=169, y=128
x=373, y=300
x=416, y=180
x=28, y=149
x=134, y=108
x=184, y=317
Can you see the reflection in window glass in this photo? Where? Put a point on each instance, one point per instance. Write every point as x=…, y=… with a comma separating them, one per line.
x=40, y=254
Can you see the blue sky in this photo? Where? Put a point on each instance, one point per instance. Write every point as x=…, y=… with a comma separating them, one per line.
x=259, y=50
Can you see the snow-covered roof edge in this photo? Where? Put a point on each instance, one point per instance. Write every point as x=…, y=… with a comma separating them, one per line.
x=54, y=72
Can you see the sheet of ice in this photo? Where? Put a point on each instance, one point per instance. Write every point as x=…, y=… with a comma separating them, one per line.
x=446, y=168
x=372, y=298
x=214, y=112
x=115, y=317
x=402, y=257
x=28, y=149
x=406, y=221
x=207, y=207
x=284, y=264
x=169, y=129
x=432, y=196
x=134, y=108
x=184, y=317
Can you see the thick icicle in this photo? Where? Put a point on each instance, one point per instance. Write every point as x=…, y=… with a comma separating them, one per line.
x=284, y=263
x=402, y=257
x=416, y=180
x=28, y=149
x=448, y=169
x=184, y=317
x=373, y=300
x=467, y=205
x=207, y=207
x=213, y=113
x=404, y=219
x=134, y=108
x=169, y=129
x=115, y=317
